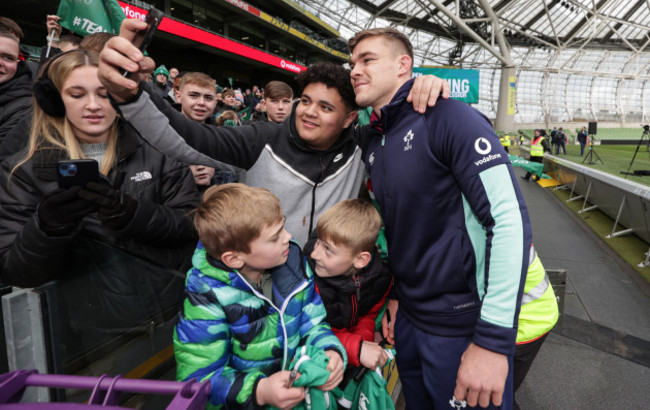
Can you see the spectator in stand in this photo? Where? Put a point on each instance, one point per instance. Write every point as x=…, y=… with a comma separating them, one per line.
x=61, y=42
x=239, y=102
x=250, y=97
x=228, y=118
x=260, y=110
x=229, y=101
x=161, y=83
x=276, y=105
x=139, y=206
x=16, y=139
x=15, y=78
x=173, y=72
x=11, y=26
x=198, y=97
x=173, y=97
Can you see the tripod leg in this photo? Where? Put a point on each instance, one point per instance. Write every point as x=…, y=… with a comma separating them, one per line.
x=636, y=151
x=598, y=157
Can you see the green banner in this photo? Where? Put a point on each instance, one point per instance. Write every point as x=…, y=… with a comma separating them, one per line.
x=463, y=83
x=85, y=17
x=536, y=168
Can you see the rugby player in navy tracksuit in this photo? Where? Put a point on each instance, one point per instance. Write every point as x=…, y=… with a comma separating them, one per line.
x=457, y=229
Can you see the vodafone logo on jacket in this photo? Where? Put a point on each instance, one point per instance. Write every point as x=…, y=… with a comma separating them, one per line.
x=482, y=146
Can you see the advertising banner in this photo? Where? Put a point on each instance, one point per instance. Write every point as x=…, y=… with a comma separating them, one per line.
x=512, y=94
x=463, y=83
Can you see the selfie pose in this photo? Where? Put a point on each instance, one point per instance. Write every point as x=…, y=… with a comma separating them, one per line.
x=135, y=208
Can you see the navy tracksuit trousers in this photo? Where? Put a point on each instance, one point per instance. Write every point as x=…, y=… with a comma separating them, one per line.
x=428, y=366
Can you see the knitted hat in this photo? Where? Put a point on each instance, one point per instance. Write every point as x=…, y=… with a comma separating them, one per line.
x=239, y=97
x=161, y=70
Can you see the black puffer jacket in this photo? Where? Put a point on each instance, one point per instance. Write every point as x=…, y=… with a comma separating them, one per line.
x=348, y=298
x=161, y=230
x=15, y=99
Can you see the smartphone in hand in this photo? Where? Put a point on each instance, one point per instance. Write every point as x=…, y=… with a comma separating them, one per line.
x=144, y=37
x=72, y=172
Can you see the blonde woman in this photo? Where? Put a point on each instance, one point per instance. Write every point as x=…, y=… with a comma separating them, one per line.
x=139, y=208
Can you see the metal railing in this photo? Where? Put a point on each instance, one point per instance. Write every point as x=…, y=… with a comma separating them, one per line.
x=626, y=202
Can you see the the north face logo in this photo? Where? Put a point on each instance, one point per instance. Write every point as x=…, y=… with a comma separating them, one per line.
x=141, y=176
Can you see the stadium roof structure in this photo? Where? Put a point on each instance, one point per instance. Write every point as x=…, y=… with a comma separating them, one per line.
x=599, y=49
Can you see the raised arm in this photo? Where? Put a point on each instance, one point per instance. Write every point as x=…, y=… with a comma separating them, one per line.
x=163, y=127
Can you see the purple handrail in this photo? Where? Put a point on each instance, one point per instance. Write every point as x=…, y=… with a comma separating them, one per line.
x=188, y=395
x=124, y=385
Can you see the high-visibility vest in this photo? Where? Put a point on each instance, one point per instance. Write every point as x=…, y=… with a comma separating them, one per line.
x=536, y=148
x=539, y=311
x=505, y=140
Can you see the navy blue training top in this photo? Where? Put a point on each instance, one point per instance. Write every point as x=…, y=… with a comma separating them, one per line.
x=456, y=223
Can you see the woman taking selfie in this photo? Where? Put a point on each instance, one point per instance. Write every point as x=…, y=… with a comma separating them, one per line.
x=92, y=232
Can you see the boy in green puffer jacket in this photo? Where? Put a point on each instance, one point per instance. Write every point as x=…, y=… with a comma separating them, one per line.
x=250, y=303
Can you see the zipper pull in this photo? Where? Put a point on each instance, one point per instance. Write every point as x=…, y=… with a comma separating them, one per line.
x=383, y=139
x=357, y=282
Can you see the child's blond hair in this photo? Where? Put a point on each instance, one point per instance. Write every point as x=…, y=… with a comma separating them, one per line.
x=231, y=216
x=353, y=223
x=200, y=80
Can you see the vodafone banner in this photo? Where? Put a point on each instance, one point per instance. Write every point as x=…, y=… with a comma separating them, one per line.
x=184, y=30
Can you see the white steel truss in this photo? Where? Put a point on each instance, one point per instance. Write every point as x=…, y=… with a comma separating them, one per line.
x=575, y=59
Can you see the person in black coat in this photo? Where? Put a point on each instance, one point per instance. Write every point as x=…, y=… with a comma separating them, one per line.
x=582, y=139
x=117, y=247
x=15, y=83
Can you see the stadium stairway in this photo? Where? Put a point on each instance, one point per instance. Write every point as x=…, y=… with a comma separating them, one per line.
x=598, y=355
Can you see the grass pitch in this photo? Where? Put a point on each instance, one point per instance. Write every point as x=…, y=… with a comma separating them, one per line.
x=616, y=158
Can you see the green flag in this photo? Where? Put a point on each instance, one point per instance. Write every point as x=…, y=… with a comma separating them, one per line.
x=85, y=17
x=366, y=390
x=245, y=114
x=536, y=168
x=311, y=362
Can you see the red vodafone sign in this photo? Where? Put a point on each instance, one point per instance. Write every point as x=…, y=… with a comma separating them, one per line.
x=177, y=28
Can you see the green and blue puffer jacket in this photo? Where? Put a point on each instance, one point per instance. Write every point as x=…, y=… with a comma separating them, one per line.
x=232, y=335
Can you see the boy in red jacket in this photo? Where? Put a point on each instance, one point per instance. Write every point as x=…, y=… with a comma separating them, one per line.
x=351, y=277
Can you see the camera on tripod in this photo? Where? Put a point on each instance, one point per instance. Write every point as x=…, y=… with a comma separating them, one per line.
x=646, y=128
